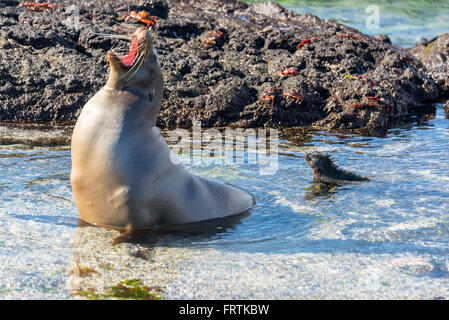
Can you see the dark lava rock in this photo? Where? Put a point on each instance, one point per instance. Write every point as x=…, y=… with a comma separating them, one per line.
x=434, y=54
x=344, y=81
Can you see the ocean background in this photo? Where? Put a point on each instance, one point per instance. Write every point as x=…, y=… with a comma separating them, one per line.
x=406, y=22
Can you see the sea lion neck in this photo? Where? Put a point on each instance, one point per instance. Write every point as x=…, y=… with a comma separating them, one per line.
x=138, y=73
x=144, y=103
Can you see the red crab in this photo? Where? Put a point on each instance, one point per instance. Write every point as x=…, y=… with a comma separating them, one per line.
x=214, y=39
x=269, y=94
x=292, y=71
x=374, y=101
x=142, y=16
x=367, y=80
x=309, y=40
x=350, y=35
x=382, y=102
x=294, y=95
x=34, y=6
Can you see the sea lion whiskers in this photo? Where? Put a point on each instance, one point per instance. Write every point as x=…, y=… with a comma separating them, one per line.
x=142, y=55
x=134, y=68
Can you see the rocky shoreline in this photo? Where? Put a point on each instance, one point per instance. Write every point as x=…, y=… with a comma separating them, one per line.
x=225, y=63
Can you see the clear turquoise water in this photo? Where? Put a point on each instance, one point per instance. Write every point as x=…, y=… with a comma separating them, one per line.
x=405, y=21
x=394, y=227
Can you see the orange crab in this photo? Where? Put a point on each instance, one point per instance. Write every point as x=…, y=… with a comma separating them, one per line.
x=214, y=39
x=366, y=103
x=352, y=36
x=142, y=16
x=292, y=71
x=382, y=102
x=309, y=40
x=374, y=101
x=349, y=35
x=34, y=6
x=293, y=95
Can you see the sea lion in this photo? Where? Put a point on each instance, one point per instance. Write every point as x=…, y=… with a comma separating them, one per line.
x=122, y=176
x=327, y=172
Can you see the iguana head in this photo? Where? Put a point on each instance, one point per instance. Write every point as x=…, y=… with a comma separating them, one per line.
x=319, y=161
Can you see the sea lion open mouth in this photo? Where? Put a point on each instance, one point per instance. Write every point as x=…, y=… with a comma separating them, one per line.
x=137, y=52
x=129, y=59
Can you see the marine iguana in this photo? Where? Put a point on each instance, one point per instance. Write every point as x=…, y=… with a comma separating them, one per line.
x=326, y=171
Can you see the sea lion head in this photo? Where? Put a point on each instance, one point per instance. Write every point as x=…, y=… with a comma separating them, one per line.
x=139, y=68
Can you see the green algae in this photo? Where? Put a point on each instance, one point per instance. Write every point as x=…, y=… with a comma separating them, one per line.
x=84, y=271
x=133, y=289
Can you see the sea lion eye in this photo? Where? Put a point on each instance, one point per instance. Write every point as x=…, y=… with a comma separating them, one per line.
x=150, y=94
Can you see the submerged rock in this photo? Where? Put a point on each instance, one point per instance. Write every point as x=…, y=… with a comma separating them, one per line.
x=344, y=80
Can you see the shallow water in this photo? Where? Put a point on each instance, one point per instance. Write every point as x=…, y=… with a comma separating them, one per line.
x=387, y=238
x=404, y=21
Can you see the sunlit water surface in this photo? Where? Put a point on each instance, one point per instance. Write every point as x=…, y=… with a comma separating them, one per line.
x=387, y=238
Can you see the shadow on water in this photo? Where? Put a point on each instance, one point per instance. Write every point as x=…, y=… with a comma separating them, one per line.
x=205, y=228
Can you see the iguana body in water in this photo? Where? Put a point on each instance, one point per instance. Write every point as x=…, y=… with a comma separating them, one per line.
x=326, y=171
